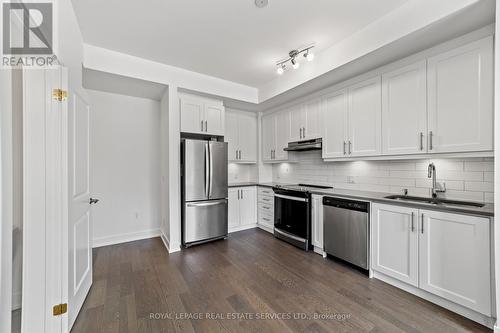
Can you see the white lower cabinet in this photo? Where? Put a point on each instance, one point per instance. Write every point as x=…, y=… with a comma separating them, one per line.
x=242, y=208
x=266, y=208
x=446, y=254
x=454, y=258
x=317, y=223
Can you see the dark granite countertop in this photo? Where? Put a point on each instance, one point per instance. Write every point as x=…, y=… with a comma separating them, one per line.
x=486, y=210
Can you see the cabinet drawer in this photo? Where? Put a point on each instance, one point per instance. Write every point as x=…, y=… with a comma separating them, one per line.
x=266, y=191
x=266, y=219
x=266, y=199
x=265, y=208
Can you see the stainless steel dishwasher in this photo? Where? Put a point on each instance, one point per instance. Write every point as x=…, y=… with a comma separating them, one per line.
x=346, y=230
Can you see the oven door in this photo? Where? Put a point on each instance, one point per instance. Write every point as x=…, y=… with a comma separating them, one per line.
x=291, y=215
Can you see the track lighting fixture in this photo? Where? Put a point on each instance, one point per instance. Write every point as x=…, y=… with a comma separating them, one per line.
x=293, y=58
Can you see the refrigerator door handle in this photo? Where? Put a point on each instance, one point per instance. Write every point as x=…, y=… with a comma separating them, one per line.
x=207, y=171
x=209, y=203
x=211, y=174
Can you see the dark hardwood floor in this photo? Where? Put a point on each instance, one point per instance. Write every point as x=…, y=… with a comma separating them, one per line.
x=139, y=287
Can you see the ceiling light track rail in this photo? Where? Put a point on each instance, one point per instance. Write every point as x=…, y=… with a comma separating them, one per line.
x=293, y=57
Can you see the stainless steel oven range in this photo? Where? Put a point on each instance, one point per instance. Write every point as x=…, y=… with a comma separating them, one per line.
x=292, y=214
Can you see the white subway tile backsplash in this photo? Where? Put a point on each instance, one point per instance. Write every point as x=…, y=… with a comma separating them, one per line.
x=467, y=178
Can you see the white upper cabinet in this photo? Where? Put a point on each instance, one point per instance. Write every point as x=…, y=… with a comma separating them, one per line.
x=305, y=121
x=395, y=242
x=275, y=134
x=297, y=122
x=454, y=258
x=365, y=118
x=404, y=110
x=192, y=115
x=335, y=124
x=281, y=119
x=201, y=116
x=460, y=98
x=314, y=120
x=268, y=137
x=241, y=136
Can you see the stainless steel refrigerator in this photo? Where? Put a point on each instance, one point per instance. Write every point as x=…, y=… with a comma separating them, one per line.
x=204, y=191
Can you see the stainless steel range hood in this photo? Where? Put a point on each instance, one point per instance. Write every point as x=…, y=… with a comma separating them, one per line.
x=314, y=144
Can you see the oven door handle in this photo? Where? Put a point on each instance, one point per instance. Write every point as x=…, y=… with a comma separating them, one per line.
x=291, y=198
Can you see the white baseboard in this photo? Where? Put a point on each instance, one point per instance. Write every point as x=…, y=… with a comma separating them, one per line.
x=124, y=238
x=266, y=228
x=166, y=242
x=245, y=227
x=454, y=307
x=16, y=300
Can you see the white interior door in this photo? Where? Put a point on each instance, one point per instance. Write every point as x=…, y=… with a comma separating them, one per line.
x=80, y=217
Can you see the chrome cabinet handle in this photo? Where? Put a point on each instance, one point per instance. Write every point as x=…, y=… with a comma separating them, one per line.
x=93, y=201
x=344, y=147
x=350, y=147
x=202, y=125
x=300, y=131
x=412, y=222
x=266, y=219
x=430, y=140
x=241, y=194
x=422, y=224
x=421, y=141
x=238, y=194
x=240, y=154
x=236, y=151
x=303, y=132
x=206, y=126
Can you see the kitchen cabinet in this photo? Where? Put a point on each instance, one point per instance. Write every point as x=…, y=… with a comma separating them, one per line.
x=454, y=258
x=395, y=242
x=352, y=125
x=404, y=110
x=242, y=208
x=241, y=136
x=305, y=121
x=335, y=125
x=201, y=115
x=317, y=223
x=460, y=98
x=266, y=208
x=275, y=133
x=365, y=118
x=446, y=254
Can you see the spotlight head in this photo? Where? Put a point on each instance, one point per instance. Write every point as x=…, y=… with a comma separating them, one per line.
x=295, y=64
x=280, y=70
x=309, y=56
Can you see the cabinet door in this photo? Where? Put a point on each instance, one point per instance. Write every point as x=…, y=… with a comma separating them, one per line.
x=455, y=258
x=395, y=242
x=404, y=110
x=268, y=137
x=214, y=116
x=317, y=221
x=460, y=93
x=248, y=206
x=297, y=123
x=247, y=133
x=192, y=115
x=231, y=136
x=335, y=125
x=233, y=214
x=282, y=119
x=314, y=120
x=365, y=118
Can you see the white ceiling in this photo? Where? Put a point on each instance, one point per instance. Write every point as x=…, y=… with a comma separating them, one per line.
x=229, y=39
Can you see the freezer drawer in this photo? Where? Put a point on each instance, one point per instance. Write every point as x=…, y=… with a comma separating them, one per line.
x=204, y=220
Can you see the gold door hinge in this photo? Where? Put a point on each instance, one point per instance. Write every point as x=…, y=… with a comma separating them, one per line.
x=59, y=95
x=60, y=309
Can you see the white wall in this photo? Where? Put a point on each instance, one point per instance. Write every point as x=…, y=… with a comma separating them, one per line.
x=467, y=179
x=125, y=134
x=242, y=173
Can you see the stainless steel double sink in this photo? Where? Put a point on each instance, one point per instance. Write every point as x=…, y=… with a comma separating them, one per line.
x=435, y=201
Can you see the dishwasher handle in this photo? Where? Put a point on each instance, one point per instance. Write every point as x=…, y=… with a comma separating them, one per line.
x=359, y=206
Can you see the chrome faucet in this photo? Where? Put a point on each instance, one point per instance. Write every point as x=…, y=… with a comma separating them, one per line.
x=436, y=188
